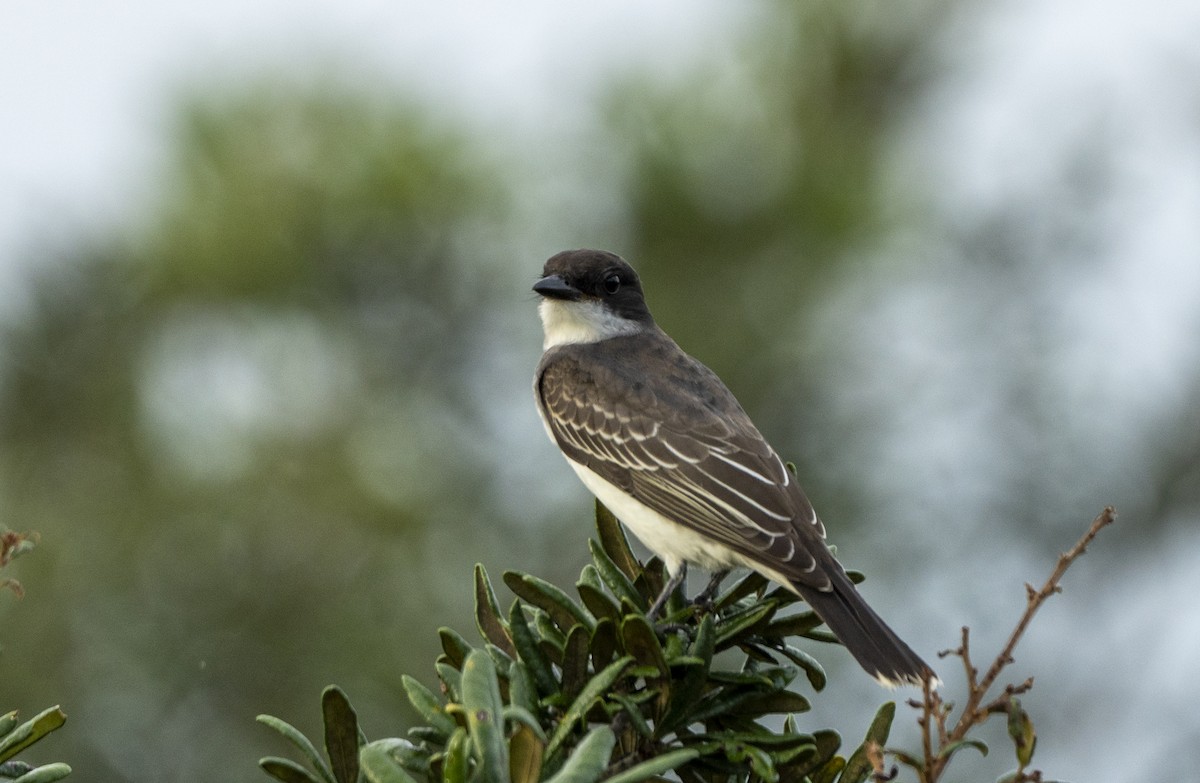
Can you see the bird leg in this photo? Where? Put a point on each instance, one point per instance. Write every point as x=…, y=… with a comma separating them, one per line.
x=672, y=584
x=705, y=597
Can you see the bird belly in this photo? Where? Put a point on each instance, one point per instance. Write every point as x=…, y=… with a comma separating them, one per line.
x=673, y=542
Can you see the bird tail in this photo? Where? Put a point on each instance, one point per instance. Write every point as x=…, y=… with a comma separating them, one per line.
x=873, y=644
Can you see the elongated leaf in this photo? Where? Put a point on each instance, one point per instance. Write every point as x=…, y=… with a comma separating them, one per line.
x=633, y=711
x=525, y=755
x=530, y=653
x=596, y=687
x=858, y=766
x=685, y=692
x=812, y=668
x=618, y=583
x=793, y=625
x=8, y=722
x=1020, y=729
x=825, y=746
x=521, y=690
x=341, y=734
x=451, y=679
x=575, y=661
x=955, y=747
x=776, y=703
x=616, y=545
x=487, y=613
x=548, y=632
x=732, y=626
x=565, y=613
x=31, y=731
x=519, y=716
x=428, y=706
x=456, y=763
x=641, y=642
x=481, y=702
x=659, y=765
x=596, y=600
x=589, y=758
x=302, y=743
x=454, y=645
x=603, y=645
x=380, y=765
x=286, y=770
x=47, y=773
x=830, y=771
x=747, y=585
x=760, y=761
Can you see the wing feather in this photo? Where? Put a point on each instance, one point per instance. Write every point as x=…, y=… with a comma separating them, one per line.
x=696, y=459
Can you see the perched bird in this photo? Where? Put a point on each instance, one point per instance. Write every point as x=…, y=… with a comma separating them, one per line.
x=658, y=438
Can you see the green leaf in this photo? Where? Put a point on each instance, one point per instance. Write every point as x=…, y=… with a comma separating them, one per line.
x=481, y=702
x=829, y=772
x=596, y=687
x=793, y=625
x=548, y=634
x=735, y=624
x=451, y=679
x=634, y=711
x=8, y=722
x=825, y=746
x=286, y=770
x=747, y=585
x=565, y=613
x=302, y=743
x=520, y=716
x=616, y=545
x=47, y=773
x=1020, y=728
x=575, y=661
x=530, y=652
x=487, y=613
x=858, y=766
x=595, y=599
x=776, y=703
x=659, y=765
x=760, y=761
x=454, y=645
x=379, y=764
x=456, y=763
x=428, y=705
x=525, y=751
x=31, y=731
x=641, y=642
x=521, y=690
x=685, y=692
x=955, y=747
x=618, y=583
x=588, y=760
x=341, y=734
x=603, y=645
x=812, y=668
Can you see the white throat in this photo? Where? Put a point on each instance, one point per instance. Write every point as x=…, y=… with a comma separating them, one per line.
x=582, y=321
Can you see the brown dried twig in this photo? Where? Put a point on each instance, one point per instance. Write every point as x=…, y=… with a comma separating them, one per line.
x=939, y=742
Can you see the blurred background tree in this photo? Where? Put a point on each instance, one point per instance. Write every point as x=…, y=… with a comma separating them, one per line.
x=266, y=425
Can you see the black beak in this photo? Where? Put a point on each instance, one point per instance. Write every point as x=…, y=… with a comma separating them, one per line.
x=555, y=287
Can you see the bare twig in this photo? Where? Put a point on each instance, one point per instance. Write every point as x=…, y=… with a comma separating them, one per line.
x=934, y=712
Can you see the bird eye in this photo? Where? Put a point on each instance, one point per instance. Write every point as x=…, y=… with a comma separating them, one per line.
x=612, y=283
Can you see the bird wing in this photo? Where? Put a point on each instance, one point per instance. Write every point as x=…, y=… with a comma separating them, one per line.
x=678, y=441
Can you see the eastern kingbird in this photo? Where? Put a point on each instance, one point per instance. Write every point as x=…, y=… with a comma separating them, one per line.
x=660, y=440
